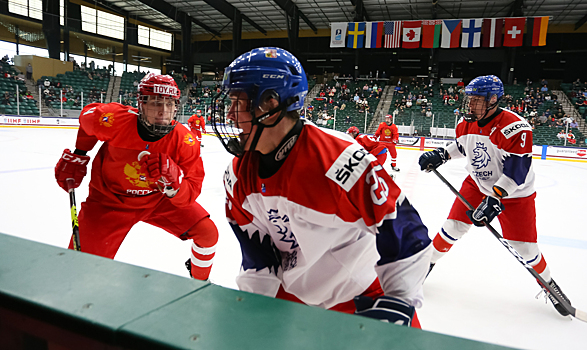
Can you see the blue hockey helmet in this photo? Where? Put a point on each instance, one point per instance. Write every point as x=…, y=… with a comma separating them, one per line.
x=486, y=86
x=266, y=69
x=260, y=74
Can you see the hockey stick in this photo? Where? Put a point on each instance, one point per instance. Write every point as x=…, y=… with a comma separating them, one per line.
x=581, y=315
x=73, y=210
x=409, y=144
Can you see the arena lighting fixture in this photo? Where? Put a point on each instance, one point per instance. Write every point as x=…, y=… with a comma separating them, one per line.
x=316, y=60
x=336, y=60
x=408, y=60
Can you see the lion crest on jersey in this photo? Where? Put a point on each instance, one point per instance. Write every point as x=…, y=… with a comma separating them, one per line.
x=481, y=158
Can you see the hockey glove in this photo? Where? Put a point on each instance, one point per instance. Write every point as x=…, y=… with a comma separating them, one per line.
x=71, y=166
x=489, y=208
x=163, y=171
x=386, y=309
x=433, y=159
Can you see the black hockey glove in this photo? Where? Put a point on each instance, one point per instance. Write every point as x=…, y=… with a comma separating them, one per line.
x=489, y=208
x=386, y=309
x=433, y=159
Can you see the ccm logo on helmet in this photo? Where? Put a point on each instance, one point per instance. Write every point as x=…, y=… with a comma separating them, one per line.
x=164, y=89
x=273, y=76
x=515, y=128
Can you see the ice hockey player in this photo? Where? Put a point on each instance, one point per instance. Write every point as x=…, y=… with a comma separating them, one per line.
x=497, y=144
x=372, y=146
x=318, y=219
x=197, y=124
x=136, y=174
x=387, y=134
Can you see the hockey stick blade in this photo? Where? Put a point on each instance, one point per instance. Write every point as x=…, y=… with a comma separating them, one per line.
x=578, y=314
x=73, y=212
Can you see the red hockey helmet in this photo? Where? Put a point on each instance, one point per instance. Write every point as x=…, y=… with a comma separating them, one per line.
x=198, y=112
x=163, y=88
x=353, y=131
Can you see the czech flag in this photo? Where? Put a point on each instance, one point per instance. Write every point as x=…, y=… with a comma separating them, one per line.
x=451, y=33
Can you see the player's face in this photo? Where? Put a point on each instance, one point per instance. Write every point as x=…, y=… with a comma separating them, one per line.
x=477, y=105
x=240, y=113
x=159, y=110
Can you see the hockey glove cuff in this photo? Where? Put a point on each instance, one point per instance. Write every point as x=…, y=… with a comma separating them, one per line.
x=433, y=159
x=386, y=309
x=489, y=208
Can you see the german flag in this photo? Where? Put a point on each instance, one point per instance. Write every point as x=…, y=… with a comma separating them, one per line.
x=536, y=31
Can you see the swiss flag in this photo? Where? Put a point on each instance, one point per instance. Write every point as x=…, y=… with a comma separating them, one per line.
x=411, y=34
x=513, y=34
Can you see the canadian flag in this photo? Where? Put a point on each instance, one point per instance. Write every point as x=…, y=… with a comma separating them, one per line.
x=514, y=31
x=411, y=34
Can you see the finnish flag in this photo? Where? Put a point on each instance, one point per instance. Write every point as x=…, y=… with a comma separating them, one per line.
x=471, y=36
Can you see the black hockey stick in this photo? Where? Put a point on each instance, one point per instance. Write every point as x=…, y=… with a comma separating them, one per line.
x=409, y=144
x=74, y=224
x=581, y=315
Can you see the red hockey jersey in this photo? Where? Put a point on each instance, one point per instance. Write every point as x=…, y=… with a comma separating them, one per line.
x=387, y=133
x=117, y=179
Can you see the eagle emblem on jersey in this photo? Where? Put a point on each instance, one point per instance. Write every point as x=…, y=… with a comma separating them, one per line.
x=481, y=157
x=387, y=132
x=107, y=119
x=134, y=175
x=189, y=139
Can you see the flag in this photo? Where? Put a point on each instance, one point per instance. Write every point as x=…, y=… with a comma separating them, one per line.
x=451, y=32
x=514, y=31
x=431, y=33
x=536, y=31
x=471, y=33
x=373, y=34
x=393, y=34
x=492, y=28
x=337, y=34
x=411, y=34
x=356, y=35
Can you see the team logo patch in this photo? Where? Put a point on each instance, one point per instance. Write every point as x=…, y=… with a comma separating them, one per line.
x=481, y=157
x=189, y=139
x=387, y=132
x=349, y=166
x=107, y=119
x=271, y=53
x=515, y=128
x=135, y=176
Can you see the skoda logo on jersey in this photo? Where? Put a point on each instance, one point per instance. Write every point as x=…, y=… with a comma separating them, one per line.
x=481, y=158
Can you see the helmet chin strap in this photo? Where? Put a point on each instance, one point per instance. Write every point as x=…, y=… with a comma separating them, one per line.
x=282, y=108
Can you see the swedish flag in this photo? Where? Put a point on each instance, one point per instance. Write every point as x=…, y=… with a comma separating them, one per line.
x=356, y=35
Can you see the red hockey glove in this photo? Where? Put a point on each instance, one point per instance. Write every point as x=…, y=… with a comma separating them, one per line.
x=71, y=166
x=162, y=170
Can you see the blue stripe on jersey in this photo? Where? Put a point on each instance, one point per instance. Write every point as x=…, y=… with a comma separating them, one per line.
x=257, y=254
x=447, y=235
x=517, y=167
x=402, y=237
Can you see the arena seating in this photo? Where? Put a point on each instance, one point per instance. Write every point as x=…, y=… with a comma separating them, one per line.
x=8, y=84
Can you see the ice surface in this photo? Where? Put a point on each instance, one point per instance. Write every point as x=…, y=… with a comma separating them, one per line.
x=477, y=291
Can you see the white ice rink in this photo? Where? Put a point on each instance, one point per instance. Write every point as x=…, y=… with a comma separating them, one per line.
x=477, y=291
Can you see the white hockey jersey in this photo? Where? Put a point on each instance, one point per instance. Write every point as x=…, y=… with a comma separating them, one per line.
x=317, y=225
x=499, y=153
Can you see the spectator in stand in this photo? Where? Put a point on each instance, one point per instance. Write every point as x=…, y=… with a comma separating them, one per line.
x=29, y=72
x=561, y=135
x=428, y=113
x=573, y=124
x=544, y=82
x=544, y=88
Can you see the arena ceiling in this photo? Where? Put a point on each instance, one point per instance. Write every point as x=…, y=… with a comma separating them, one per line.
x=215, y=16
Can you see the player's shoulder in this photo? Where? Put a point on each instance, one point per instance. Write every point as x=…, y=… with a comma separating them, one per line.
x=511, y=124
x=184, y=136
x=340, y=157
